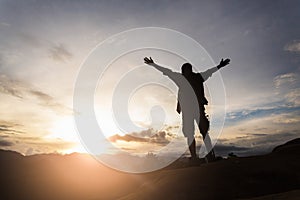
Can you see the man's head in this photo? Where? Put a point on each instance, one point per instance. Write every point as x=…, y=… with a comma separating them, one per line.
x=186, y=69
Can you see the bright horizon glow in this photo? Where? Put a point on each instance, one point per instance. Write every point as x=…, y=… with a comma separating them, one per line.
x=64, y=128
x=78, y=148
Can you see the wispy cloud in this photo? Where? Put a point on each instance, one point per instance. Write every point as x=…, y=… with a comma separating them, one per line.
x=285, y=79
x=293, y=97
x=31, y=40
x=285, y=100
x=28, y=145
x=249, y=114
x=60, y=53
x=270, y=122
x=9, y=128
x=49, y=102
x=5, y=143
x=24, y=90
x=294, y=46
x=10, y=86
x=288, y=88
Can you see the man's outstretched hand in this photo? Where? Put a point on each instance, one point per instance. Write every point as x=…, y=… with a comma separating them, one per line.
x=223, y=63
x=148, y=60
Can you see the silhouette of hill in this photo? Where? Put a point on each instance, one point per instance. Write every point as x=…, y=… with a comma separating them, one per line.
x=78, y=176
x=289, y=147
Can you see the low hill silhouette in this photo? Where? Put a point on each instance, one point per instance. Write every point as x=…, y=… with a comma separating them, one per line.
x=289, y=147
x=78, y=176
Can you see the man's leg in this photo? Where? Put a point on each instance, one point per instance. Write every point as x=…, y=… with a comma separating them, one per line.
x=192, y=146
x=188, y=129
x=211, y=154
x=204, y=127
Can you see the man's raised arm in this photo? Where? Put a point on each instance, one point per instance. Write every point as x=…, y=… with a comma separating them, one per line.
x=208, y=73
x=149, y=61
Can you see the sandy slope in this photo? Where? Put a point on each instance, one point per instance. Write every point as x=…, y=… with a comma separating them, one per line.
x=80, y=177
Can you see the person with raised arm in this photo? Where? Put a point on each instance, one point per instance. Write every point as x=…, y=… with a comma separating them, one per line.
x=190, y=95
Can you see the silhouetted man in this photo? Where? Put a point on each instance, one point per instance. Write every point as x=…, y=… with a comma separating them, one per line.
x=190, y=95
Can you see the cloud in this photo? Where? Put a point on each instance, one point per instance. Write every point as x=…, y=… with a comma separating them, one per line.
x=60, y=53
x=5, y=143
x=286, y=100
x=293, y=46
x=24, y=90
x=293, y=97
x=40, y=145
x=127, y=138
x=146, y=136
x=284, y=79
x=255, y=113
x=159, y=137
x=288, y=88
x=29, y=145
x=254, y=144
x=285, y=119
x=31, y=40
x=14, y=136
x=42, y=96
x=8, y=129
x=10, y=86
x=49, y=101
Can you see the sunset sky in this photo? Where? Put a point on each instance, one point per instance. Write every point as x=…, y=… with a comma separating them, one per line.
x=44, y=43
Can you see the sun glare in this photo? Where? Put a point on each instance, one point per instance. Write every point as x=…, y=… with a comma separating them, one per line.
x=77, y=148
x=64, y=129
